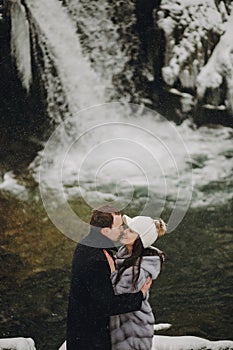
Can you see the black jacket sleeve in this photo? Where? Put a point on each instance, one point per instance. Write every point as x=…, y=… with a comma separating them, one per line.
x=99, y=286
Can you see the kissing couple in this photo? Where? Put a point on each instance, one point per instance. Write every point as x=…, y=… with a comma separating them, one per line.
x=108, y=306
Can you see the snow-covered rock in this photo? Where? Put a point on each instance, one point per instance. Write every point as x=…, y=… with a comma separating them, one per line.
x=198, y=49
x=162, y=342
x=18, y=343
x=11, y=184
x=191, y=30
x=219, y=68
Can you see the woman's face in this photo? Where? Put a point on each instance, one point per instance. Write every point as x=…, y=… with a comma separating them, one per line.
x=128, y=237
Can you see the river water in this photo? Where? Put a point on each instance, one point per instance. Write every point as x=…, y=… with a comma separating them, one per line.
x=194, y=292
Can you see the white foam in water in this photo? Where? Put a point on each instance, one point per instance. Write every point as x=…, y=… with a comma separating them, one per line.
x=139, y=149
x=125, y=151
x=142, y=152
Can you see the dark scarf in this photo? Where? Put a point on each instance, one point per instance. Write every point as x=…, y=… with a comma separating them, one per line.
x=96, y=239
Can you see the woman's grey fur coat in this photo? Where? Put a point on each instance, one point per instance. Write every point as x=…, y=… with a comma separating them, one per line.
x=134, y=330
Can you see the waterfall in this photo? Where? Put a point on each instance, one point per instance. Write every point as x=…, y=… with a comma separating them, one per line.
x=147, y=143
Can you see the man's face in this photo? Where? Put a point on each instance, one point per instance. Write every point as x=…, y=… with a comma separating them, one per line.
x=117, y=229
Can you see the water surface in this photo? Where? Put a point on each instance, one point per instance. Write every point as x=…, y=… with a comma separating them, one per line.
x=194, y=292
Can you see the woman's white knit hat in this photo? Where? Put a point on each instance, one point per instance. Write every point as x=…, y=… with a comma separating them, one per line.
x=144, y=226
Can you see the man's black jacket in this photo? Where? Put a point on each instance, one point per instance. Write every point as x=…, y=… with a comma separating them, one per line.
x=92, y=298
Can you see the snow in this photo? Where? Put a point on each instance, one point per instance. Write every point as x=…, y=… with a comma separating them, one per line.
x=11, y=184
x=196, y=21
x=219, y=67
x=162, y=342
x=19, y=343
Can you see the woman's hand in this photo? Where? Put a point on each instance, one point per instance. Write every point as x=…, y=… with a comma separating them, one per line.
x=146, y=286
x=110, y=261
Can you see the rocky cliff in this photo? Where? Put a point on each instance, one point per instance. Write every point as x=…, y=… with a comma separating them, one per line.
x=160, y=51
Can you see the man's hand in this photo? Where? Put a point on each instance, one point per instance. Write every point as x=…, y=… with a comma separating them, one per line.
x=146, y=286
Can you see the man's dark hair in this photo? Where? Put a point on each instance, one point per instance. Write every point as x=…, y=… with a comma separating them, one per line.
x=102, y=216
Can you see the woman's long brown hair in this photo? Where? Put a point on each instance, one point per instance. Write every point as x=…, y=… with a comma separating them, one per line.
x=135, y=259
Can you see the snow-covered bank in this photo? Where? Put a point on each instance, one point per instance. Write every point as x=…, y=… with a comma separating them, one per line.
x=19, y=343
x=11, y=184
x=162, y=342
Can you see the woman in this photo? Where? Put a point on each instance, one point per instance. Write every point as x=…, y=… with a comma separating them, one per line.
x=135, y=261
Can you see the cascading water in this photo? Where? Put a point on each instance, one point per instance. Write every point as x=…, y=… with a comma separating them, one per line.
x=81, y=87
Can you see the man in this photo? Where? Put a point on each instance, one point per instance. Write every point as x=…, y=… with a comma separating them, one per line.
x=92, y=300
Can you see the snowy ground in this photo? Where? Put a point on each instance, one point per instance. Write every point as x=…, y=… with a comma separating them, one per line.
x=161, y=342
x=19, y=343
